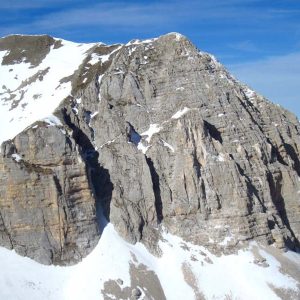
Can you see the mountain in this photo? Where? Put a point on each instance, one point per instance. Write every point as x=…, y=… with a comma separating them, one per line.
x=142, y=171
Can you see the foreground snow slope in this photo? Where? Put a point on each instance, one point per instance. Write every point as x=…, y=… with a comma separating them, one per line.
x=185, y=271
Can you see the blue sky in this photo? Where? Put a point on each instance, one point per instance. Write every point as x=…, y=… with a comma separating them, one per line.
x=258, y=40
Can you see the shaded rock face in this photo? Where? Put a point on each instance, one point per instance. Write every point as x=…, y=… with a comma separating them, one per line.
x=158, y=135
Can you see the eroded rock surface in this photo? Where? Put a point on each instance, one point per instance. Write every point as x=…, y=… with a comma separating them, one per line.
x=157, y=134
x=48, y=211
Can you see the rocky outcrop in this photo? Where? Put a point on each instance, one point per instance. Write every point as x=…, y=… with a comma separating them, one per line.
x=158, y=135
x=29, y=49
x=48, y=211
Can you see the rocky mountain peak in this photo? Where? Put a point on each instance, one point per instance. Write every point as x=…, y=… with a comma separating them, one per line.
x=152, y=136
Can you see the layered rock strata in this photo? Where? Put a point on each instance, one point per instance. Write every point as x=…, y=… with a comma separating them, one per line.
x=156, y=135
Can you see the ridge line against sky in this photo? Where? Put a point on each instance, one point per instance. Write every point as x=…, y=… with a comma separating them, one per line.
x=258, y=40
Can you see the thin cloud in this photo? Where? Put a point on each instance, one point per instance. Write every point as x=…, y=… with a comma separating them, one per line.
x=285, y=11
x=31, y=4
x=247, y=46
x=126, y=15
x=108, y=15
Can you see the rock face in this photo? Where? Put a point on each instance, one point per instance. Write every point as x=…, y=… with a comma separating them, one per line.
x=154, y=134
x=47, y=208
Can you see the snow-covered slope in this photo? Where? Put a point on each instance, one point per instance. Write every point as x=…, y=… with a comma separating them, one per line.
x=185, y=271
x=30, y=93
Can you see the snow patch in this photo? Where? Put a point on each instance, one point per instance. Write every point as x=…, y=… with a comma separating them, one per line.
x=215, y=62
x=75, y=110
x=52, y=121
x=131, y=50
x=168, y=145
x=137, y=42
x=109, y=142
x=59, y=63
x=142, y=147
x=180, y=113
x=221, y=157
x=177, y=35
x=94, y=114
x=95, y=58
x=16, y=157
x=153, y=128
x=180, y=88
x=249, y=93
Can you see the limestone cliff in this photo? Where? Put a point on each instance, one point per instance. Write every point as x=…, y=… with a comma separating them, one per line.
x=153, y=134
